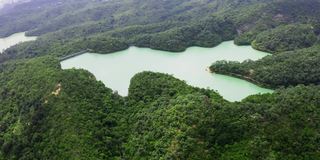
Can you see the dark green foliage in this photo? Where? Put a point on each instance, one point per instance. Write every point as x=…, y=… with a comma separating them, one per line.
x=285, y=38
x=287, y=124
x=49, y=113
x=284, y=69
x=278, y=27
x=100, y=45
x=190, y=124
x=173, y=129
x=208, y=33
x=204, y=24
x=44, y=115
x=253, y=20
x=101, y=16
x=148, y=86
x=44, y=46
x=172, y=26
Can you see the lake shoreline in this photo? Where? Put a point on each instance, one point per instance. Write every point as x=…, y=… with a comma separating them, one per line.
x=245, y=78
x=156, y=49
x=14, y=39
x=116, y=69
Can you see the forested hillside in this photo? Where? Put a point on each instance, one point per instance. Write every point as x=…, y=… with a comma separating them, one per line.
x=50, y=113
x=282, y=70
x=44, y=115
x=48, y=16
x=197, y=124
x=191, y=23
x=285, y=38
x=288, y=29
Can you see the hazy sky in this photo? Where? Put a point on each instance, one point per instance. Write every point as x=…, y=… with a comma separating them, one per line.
x=3, y=1
x=6, y=1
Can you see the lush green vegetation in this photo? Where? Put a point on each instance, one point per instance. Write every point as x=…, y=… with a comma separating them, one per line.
x=277, y=27
x=264, y=19
x=41, y=17
x=49, y=113
x=281, y=70
x=205, y=23
x=209, y=32
x=45, y=115
x=284, y=38
x=173, y=120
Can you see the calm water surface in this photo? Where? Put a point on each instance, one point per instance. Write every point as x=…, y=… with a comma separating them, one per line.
x=13, y=40
x=115, y=70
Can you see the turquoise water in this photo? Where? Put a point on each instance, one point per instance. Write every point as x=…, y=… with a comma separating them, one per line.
x=115, y=70
x=13, y=40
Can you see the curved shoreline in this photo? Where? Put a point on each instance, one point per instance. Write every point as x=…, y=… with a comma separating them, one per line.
x=246, y=79
x=14, y=39
x=162, y=50
x=115, y=70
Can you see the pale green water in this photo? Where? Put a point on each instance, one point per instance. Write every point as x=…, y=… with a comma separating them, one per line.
x=13, y=40
x=115, y=70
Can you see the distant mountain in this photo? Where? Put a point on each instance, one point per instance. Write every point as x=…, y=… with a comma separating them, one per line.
x=43, y=16
x=85, y=24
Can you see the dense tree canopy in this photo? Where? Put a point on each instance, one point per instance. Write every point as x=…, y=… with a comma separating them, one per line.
x=284, y=69
x=45, y=115
x=50, y=113
x=285, y=38
x=205, y=23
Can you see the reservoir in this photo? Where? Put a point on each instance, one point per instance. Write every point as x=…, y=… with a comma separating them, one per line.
x=13, y=40
x=115, y=70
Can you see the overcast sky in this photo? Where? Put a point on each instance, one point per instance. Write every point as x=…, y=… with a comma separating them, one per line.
x=2, y=1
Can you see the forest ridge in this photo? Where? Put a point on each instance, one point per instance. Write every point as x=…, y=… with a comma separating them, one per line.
x=50, y=113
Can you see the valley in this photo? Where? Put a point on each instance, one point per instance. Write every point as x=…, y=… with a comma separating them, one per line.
x=159, y=79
